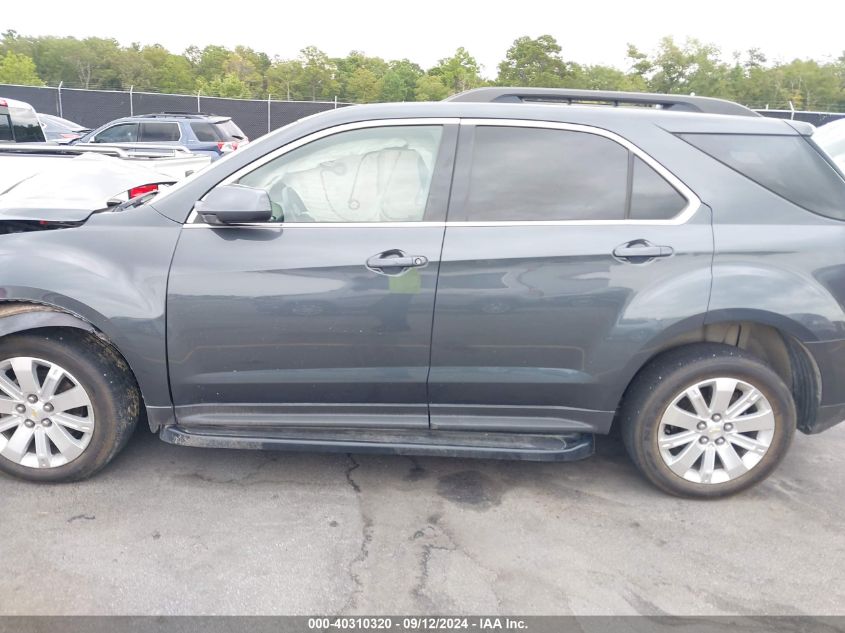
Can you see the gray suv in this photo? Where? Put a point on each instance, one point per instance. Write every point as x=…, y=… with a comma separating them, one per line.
x=504, y=275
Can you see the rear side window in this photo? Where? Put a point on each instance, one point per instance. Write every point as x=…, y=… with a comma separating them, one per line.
x=159, y=132
x=529, y=174
x=786, y=165
x=540, y=174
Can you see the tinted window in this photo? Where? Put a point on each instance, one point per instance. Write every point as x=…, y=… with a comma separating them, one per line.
x=159, y=132
x=5, y=128
x=123, y=133
x=542, y=174
x=205, y=132
x=652, y=197
x=372, y=175
x=229, y=131
x=25, y=125
x=787, y=165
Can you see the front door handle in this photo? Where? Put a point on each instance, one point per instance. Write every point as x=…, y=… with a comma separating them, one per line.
x=394, y=259
x=640, y=251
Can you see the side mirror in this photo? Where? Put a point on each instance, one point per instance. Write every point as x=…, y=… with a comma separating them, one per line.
x=235, y=204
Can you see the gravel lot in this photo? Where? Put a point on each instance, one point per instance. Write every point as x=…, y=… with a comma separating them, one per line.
x=168, y=530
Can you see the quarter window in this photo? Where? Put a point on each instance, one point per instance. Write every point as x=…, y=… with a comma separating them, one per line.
x=786, y=165
x=652, y=197
x=369, y=175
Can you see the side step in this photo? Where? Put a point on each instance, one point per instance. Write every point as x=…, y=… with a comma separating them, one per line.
x=520, y=446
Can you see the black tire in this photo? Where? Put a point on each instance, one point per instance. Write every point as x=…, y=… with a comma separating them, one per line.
x=110, y=385
x=660, y=382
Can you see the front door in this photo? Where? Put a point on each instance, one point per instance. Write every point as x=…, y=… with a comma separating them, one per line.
x=567, y=252
x=323, y=315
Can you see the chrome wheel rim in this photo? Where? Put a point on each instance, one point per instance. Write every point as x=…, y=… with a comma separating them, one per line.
x=716, y=430
x=46, y=416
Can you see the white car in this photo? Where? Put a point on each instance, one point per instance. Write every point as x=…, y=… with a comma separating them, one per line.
x=831, y=138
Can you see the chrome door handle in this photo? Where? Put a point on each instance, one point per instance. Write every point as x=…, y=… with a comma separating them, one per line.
x=395, y=259
x=639, y=251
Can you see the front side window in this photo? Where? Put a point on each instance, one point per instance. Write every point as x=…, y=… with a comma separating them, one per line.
x=370, y=175
x=122, y=133
x=159, y=132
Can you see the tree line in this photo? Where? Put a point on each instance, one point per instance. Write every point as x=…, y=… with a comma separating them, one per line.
x=674, y=67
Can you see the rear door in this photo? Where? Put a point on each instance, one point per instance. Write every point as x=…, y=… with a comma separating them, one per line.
x=567, y=252
x=323, y=315
x=159, y=132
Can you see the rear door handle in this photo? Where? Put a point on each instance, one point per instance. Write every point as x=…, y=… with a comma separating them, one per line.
x=640, y=251
x=395, y=259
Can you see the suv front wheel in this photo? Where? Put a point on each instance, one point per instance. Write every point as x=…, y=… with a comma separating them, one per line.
x=707, y=420
x=68, y=404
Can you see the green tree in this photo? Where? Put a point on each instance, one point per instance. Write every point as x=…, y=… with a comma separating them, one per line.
x=317, y=79
x=459, y=72
x=284, y=78
x=431, y=88
x=534, y=62
x=400, y=81
x=19, y=70
x=363, y=86
x=228, y=85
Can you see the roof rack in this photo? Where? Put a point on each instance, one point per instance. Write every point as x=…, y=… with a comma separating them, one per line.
x=188, y=115
x=676, y=103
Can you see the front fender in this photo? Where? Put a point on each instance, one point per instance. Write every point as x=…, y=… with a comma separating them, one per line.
x=110, y=273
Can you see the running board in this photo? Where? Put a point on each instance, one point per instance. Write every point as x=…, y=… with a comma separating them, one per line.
x=520, y=446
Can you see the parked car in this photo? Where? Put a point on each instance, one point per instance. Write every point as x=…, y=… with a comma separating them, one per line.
x=200, y=133
x=831, y=138
x=73, y=188
x=19, y=123
x=22, y=161
x=59, y=130
x=488, y=277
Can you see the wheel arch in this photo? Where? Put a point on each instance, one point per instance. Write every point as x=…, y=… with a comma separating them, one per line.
x=781, y=348
x=19, y=317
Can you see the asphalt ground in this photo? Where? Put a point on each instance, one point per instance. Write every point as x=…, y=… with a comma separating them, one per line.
x=173, y=530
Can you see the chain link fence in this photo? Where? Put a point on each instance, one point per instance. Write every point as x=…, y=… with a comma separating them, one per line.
x=93, y=108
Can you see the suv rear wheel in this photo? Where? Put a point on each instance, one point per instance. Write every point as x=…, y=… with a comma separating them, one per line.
x=68, y=404
x=707, y=420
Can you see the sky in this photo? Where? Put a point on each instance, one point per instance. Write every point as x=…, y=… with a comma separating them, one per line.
x=591, y=32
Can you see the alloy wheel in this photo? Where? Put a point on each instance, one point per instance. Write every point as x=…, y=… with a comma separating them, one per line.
x=716, y=430
x=46, y=416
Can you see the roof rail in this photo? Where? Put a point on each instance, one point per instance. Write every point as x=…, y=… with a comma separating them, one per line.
x=189, y=115
x=676, y=103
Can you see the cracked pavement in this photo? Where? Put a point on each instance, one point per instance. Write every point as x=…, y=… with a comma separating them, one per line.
x=173, y=530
